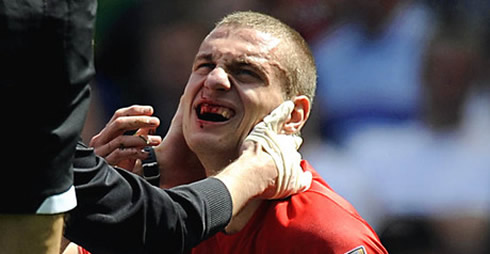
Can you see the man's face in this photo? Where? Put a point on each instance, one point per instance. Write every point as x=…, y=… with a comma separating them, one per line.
x=235, y=82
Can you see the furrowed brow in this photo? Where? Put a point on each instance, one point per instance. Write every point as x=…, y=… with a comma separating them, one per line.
x=248, y=62
x=204, y=57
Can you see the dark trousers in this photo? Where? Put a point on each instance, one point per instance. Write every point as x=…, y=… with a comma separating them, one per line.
x=46, y=64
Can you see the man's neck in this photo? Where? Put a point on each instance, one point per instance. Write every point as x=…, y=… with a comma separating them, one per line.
x=214, y=161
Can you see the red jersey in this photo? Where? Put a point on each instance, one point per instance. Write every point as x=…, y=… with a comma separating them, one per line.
x=315, y=221
x=81, y=250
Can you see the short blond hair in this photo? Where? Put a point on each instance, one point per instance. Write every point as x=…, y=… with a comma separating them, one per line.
x=296, y=57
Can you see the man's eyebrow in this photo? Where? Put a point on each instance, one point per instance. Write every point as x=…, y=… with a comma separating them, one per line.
x=248, y=60
x=241, y=61
x=245, y=63
x=252, y=62
x=204, y=56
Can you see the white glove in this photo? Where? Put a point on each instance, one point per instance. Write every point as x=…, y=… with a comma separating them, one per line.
x=284, y=151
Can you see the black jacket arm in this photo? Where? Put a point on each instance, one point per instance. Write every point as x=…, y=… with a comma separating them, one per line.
x=119, y=212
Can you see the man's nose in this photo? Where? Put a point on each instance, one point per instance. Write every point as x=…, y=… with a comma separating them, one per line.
x=217, y=79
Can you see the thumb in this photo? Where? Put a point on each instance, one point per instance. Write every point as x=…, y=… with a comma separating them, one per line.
x=249, y=146
x=278, y=116
x=305, y=180
x=297, y=141
x=177, y=119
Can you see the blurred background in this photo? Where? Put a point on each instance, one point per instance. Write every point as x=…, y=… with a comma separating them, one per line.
x=401, y=121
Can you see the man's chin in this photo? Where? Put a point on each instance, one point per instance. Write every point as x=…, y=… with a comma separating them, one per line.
x=215, y=146
x=205, y=142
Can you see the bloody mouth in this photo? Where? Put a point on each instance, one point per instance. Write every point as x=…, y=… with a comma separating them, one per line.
x=214, y=113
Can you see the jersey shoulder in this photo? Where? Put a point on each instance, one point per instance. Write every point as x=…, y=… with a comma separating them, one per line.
x=315, y=221
x=322, y=219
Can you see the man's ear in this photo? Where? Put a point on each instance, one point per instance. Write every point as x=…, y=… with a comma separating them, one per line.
x=299, y=115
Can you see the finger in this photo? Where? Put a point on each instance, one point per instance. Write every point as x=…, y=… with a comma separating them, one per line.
x=150, y=140
x=138, y=168
x=146, y=131
x=249, y=146
x=177, y=119
x=184, y=104
x=126, y=123
x=126, y=142
x=305, y=181
x=123, y=124
x=277, y=117
x=289, y=140
x=127, y=164
x=120, y=155
x=175, y=132
x=297, y=140
x=134, y=110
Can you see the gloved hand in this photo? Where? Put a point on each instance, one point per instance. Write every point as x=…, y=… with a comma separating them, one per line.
x=284, y=150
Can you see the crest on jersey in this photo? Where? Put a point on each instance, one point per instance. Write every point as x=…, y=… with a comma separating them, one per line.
x=357, y=250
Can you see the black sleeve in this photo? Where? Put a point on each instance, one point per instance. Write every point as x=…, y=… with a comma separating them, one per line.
x=119, y=212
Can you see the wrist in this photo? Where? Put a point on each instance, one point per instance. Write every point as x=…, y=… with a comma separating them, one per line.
x=159, y=155
x=252, y=175
x=239, y=187
x=151, y=170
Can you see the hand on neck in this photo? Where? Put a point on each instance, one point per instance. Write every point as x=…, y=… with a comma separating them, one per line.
x=213, y=165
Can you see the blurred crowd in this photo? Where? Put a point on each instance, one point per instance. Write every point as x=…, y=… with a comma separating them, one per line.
x=401, y=120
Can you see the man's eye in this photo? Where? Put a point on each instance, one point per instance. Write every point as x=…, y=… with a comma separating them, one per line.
x=246, y=73
x=208, y=66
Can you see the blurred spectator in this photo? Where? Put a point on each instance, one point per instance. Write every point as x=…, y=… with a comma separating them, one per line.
x=424, y=184
x=308, y=17
x=369, y=66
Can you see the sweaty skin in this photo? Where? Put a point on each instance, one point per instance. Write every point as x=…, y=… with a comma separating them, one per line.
x=236, y=69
